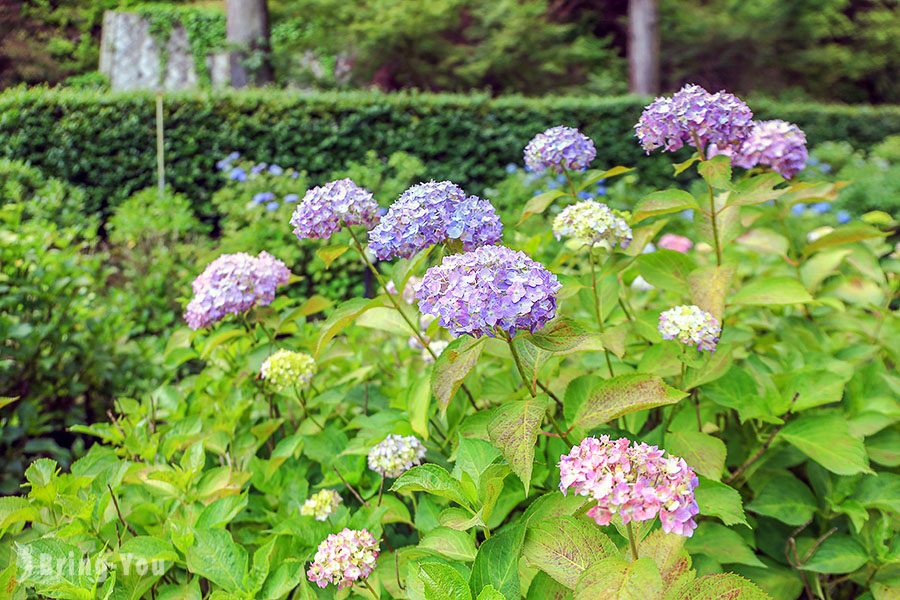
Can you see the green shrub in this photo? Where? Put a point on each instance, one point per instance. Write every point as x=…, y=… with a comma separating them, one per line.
x=105, y=142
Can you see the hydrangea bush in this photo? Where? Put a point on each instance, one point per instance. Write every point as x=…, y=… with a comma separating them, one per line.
x=590, y=405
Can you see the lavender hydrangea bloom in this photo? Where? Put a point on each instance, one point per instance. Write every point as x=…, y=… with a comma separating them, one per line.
x=327, y=208
x=491, y=288
x=591, y=223
x=776, y=144
x=559, y=149
x=690, y=325
x=691, y=115
x=430, y=213
x=232, y=284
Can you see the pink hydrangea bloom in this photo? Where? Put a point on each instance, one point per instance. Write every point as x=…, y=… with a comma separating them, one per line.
x=344, y=558
x=678, y=243
x=635, y=481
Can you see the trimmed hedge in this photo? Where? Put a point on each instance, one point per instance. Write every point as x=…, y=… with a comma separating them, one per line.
x=105, y=141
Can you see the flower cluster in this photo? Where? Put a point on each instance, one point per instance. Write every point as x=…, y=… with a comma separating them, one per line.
x=343, y=558
x=286, y=369
x=776, y=144
x=690, y=325
x=232, y=284
x=592, y=223
x=559, y=149
x=635, y=481
x=321, y=504
x=395, y=455
x=430, y=213
x=677, y=243
x=492, y=288
x=694, y=115
x=325, y=209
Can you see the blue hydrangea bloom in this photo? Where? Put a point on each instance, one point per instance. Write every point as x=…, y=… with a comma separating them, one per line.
x=263, y=197
x=821, y=207
x=843, y=216
x=327, y=208
x=237, y=174
x=291, y=198
x=272, y=206
x=275, y=169
x=560, y=149
x=258, y=168
x=798, y=209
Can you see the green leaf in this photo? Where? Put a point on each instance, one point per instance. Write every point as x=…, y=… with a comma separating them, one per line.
x=488, y=592
x=722, y=544
x=341, y=317
x=672, y=561
x=846, y=234
x=703, y=452
x=603, y=400
x=681, y=167
x=667, y=270
x=716, y=171
x=663, y=202
x=722, y=586
x=538, y=204
x=216, y=557
x=717, y=499
x=418, y=405
x=826, y=439
x=72, y=584
x=780, y=582
x=514, y=429
x=433, y=479
x=452, y=366
x=442, y=582
x=709, y=286
x=450, y=543
x=837, y=554
x=497, y=563
x=884, y=448
x=384, y=318
x=148, y=548
x=817, y=269
x=329, y=254
x=764, y=241
x=16, y=510
x=565, y=547
x=7, y=400
x=786, y=498
x=756, y=190
x=559, y=336
x=881, y=491
x=768, y=291
x=614, y=578
x=595, y=175
x=814, y=387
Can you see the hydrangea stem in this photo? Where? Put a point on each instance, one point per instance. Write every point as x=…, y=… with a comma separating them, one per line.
x=518, y=360
x=598, y=308
x=631, y=542
x=713, y=213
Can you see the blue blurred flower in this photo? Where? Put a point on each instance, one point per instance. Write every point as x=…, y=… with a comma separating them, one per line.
x=821, y=207
x=272, y=206
x=584, y=195
x=798, y=209
x=291, y=198
x=275, y=170
x=237, y=174
x=825, y=168
x=538, y=192
x=294, y=174
x=226, y=162
x=561, y=178
x=258, y=168
x=687, y=215
x=552, y=184
x=263, y=197
x=601, y=189
x=511, y=168
x=843, y=216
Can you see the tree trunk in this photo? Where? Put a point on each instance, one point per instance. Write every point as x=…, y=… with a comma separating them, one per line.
x=248, y=38
x=643, y=47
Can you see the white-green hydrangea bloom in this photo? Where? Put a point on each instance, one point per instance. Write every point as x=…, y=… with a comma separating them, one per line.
x=592, y=223
x=286, y=369
x=396, y=455
x=321, y=504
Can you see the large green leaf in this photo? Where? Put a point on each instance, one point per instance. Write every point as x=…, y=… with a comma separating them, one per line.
x=838, y=554
x=600, y=401
x=672, y=561
x=452, y=366
x=786, y=498
x=450, y=543
x=663, y=202
x=341, y=317
x=716, y=171
x=722, y=544
x=756, y=190
x=218, y=558
x=703, y=452
x=538, y=204
x=722, y=586
x=514, y=429
x=846, y=234
x=565, y=547
x=433, y=479
x=767, y=291
x=497, y=563
x=667, y=270
x=717, y=499
x=709, y=288
x=614, y=578
x=442, y=582
x=826, y=439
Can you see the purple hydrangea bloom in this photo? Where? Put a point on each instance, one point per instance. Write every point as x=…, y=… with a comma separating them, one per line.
x=275, y=170
x=776, y=144
x=559, y=149
x=232, y=284
x=489, y=289
x=430, y=213
x=693, y=115
x=327, y=208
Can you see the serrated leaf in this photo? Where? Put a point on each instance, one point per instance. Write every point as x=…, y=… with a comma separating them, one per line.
x=497, y=563
x=786, y=498
x=672, y=561
x=559, y=336
x=717, y=499
x=702, y=452
x=442, y=582
x=341, y=317
x=565, y=547
x=450, y=543
x=826, y=439
x=616, y=579
x=716, y=171
x=538, y=204
x=709, y=286
x=452, y=367
x=722, y=586
x=514, y=429
x=148, y=548
x=722, y=544
x=667, y=270
x=329, y=254
x=218, y=558
x=663, y=202
x=846, y=234
x=768, y=291
x=609, y=399
x=838, y=554
x=756, y=190
x=433, y=479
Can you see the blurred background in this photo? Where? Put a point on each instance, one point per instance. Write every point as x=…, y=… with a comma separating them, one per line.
x=828, y=50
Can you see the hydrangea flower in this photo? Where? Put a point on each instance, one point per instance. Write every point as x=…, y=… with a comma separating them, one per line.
x=263, y=197
x=237, y=174
x=431, y=213
x=395, y=455
x=678, y=243
x=489, y=289
x=635, y=481
x=776, y=144
x=321, y=504
x=275, y=170
x=592, y=223
x=344, y=558
x=232, y=284
x=559, y=149
x=286, y=369
x=325, y=209
x=225, y=163
x=690, y=325
x=691, y=115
